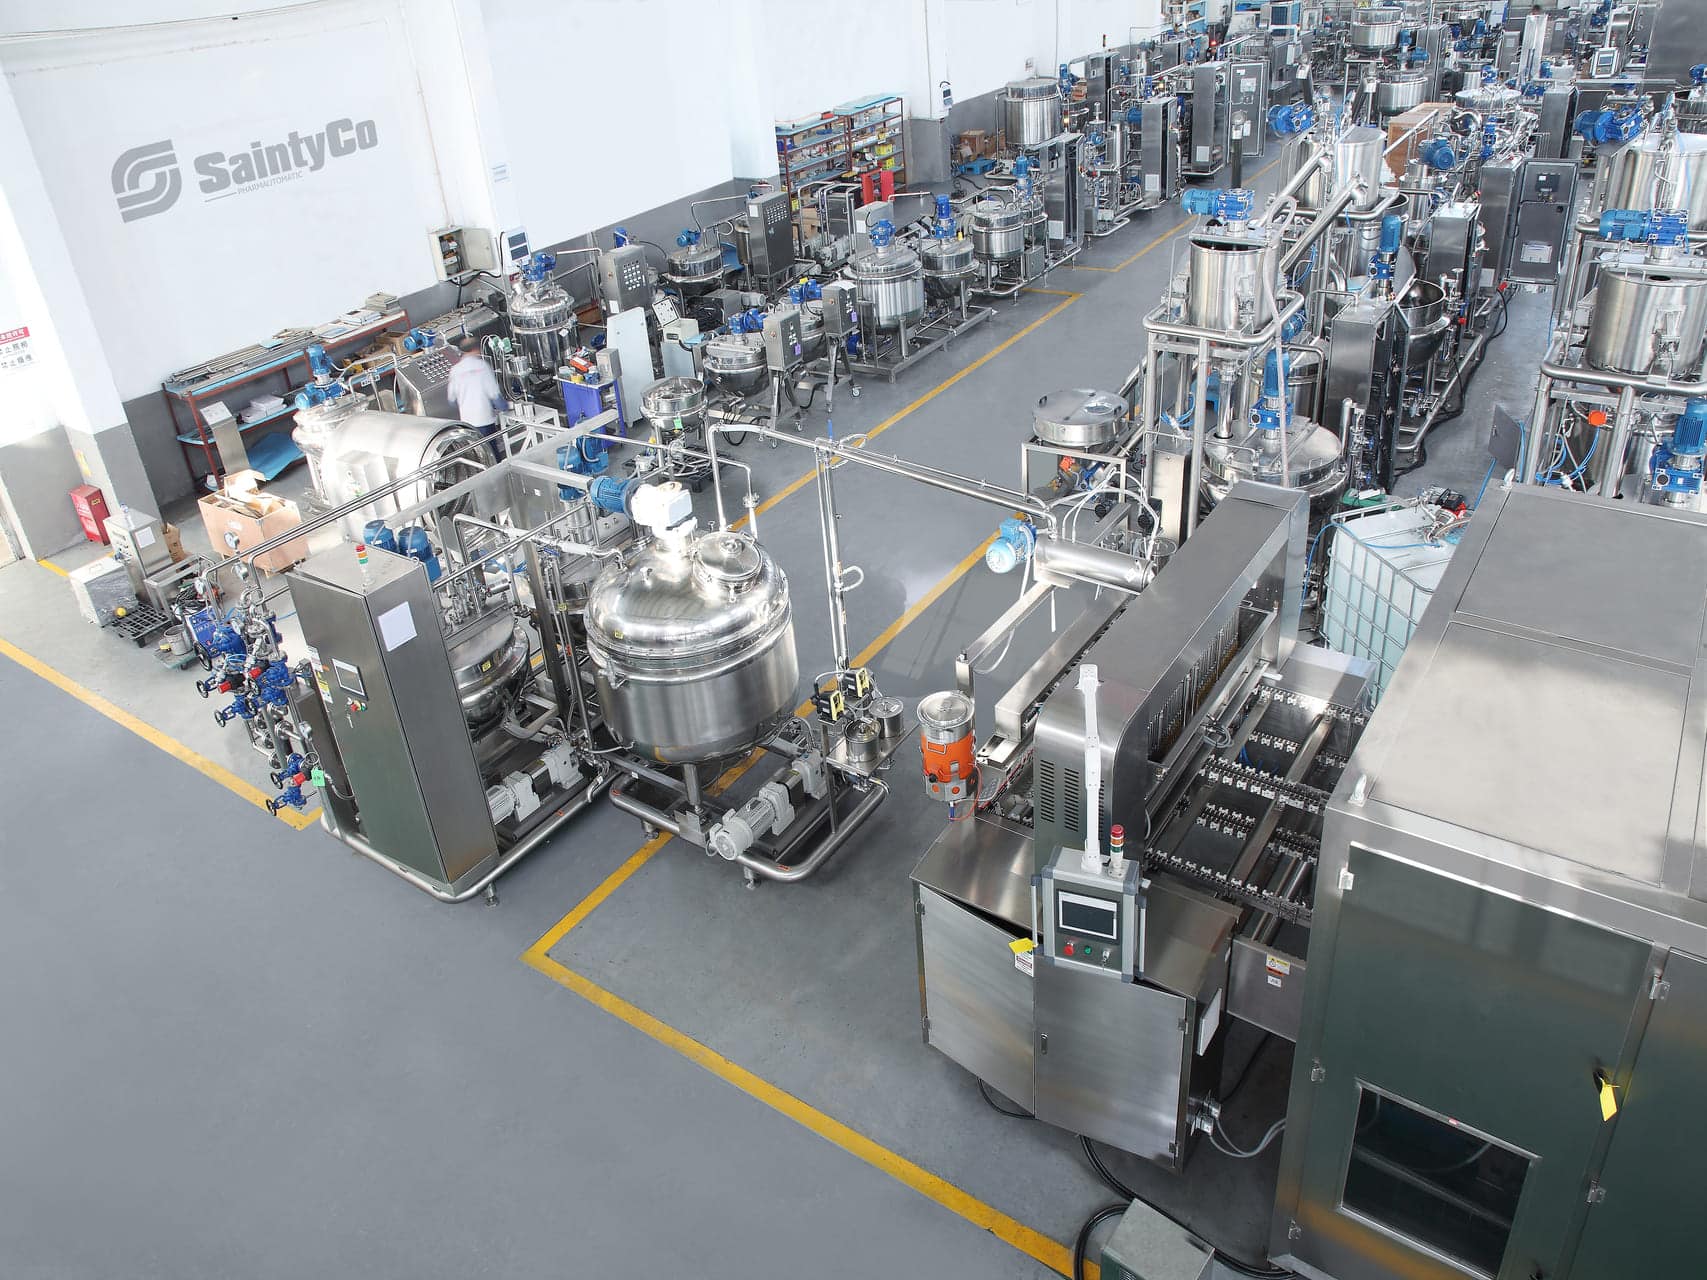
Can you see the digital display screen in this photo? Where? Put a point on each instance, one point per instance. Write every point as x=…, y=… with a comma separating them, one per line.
x=1097, y=917
x=349, y=678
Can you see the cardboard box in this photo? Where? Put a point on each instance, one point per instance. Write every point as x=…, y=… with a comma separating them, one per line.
x=1403, y=123
x=174, y=542
x=241, y=516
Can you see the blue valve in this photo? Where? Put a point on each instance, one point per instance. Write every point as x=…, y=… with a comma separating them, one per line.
x=1012, y=547
x=1233, y=205
x=1698, y=73
x=290, y=780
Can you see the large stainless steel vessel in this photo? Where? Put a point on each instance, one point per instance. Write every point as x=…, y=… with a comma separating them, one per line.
x=489, y=662
x=541, y=318
x=1489, y=99
x=1224, y=291
x=1315, y=463
x=1397, y=94
x=692, y=641
x=889, y=286
x=696, y=266
x=998, y=229
x=674, y=404
x=1031, y=110
x=1375, y=30
x=1631, y=176
x=1644, y=317
x=352, y=451
x=1079, y=418
x=1423, y=308
x=1358, y=157
x=947, y=263
x=734, y=361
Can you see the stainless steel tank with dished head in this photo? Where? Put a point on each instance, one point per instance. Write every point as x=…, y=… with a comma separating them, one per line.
x=889, y=286
x=1423, y=308
x=946, y=263
x=998, y=229
x=1078, y=418
x=696, y=265
x=351, y=454
x=541, y=317
x=734, y=361
x=1375, y=30
x=1630, y=176
x=1646, y=318
x=674, y=404
x=1397, y=94
x=1315, y=463
x=1224, y=290
x=489, y=663
x=1031, y=110
x=692, y=641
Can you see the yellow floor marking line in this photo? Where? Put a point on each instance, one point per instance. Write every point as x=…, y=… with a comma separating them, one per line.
x=51, y=567
x=1068, y=300
x=1010, y=1230
x=148, y=733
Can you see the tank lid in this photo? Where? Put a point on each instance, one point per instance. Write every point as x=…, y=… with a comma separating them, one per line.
x=1079, y=407
x=672, y=397
x=727, y=559
x=1033, y=87
x=946, y=711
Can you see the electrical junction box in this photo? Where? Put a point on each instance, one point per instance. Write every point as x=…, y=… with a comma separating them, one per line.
x=783, y=350
x=461, y=251
x=841, y=314
x=625, y=278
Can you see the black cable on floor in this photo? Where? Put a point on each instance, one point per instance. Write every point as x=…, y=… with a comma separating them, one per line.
x=1231, y=1261
x=1082, y=1241
x=1227, y=1094
x=1019, y=1114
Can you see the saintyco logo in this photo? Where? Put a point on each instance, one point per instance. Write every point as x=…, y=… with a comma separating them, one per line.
x=146, y=179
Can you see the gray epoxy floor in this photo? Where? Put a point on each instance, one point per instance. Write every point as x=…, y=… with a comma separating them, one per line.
x=246, y=1052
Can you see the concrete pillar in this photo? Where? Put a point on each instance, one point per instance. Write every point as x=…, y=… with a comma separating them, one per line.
x=75, y=378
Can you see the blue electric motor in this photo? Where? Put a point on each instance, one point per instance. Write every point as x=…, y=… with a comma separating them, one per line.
x=1665, y=227
x=1677, y=464
x=1015, y=538
x=1234, y=205
x=1609, y=125
x=1437, y=154
x=1291, y=118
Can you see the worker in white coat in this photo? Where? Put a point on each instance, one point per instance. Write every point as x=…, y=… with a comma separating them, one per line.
x=473, y=391
x=1534, y=46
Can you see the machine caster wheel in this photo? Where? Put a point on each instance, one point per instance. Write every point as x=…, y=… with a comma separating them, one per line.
x=649, y=831
x=854, y=392
x=750, y=880
x=492, y=894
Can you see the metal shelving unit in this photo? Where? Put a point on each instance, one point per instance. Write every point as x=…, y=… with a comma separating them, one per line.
x=859, y=137
x=281, y=366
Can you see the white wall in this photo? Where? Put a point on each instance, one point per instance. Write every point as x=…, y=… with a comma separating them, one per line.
x=219, y=269
x=605, y=114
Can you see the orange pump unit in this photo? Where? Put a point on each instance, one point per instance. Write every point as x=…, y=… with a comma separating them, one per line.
x=946, y=725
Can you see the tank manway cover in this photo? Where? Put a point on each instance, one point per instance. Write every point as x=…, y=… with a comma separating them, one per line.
x=1078, y=417
x=947, y=712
